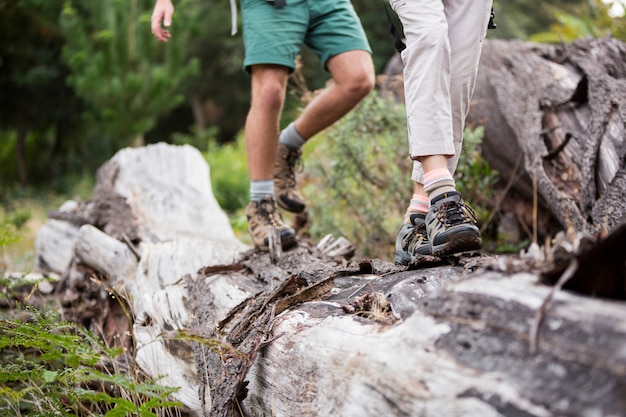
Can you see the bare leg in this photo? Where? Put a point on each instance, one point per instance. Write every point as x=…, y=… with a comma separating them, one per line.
x=353, y=76
x=269, y=84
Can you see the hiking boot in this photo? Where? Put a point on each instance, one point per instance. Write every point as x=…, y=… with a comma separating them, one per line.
x=451, y=226
x=412, y=239
x=285, y=192
x=262, y=215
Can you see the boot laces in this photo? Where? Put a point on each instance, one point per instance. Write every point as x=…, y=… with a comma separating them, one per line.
x=451, y=213
x=294, y=161
x=418, y=230
x=267, y=211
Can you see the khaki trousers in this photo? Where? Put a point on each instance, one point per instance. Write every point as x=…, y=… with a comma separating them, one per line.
x=443, y=44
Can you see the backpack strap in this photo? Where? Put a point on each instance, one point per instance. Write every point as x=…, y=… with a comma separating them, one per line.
x=492, y=23
x=233, y=17
x=397, y=40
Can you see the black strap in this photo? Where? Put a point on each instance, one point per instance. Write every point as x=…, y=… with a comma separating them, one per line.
x=279, y=4
x=397, y=40
x=492, y=23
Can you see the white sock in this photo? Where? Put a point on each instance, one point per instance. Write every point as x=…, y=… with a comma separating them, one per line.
x=260, y=190
x=291, y=138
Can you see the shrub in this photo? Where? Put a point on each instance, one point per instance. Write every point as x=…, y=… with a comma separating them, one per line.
x=50, y=367
x=229, y=173
x=358, y=180
x=358, y=177
x=475, y=178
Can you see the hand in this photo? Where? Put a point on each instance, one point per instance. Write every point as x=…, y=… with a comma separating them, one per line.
x=163, y=12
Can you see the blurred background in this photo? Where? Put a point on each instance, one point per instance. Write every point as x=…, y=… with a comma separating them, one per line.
x=82, y=79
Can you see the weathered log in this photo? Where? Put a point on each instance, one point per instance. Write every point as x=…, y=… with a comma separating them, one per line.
x=447, y=340
x=151, y=220
x=55, y=240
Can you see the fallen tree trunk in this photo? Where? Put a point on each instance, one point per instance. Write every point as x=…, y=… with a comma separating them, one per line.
x=151, y=220
x=463, y=349
x=313, y=334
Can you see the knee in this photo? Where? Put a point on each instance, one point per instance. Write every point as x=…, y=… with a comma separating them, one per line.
x=433, y=38
x=360, y=84
x=365, y=83
x=269, y=96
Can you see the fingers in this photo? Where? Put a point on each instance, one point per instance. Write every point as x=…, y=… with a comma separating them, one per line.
x=162, y=35
x=163, y=12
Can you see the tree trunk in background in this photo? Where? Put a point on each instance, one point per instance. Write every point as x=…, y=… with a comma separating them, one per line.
x=20, y=154
x=554, y=119
x=559, y=114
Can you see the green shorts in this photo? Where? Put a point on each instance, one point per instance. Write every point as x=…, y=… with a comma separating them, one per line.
x=275, y=36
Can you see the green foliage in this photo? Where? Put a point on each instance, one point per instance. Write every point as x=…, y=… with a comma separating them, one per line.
x=358, y=181
x=555, y=21
x=8, y=234
x=12, y=220
x=474, y=177
x=229, y=173
x=594, y=22
x=220, y=87
x=50, y=367
x=359, y=177
x=31, y=72
x=37, y=108
x=127, y=77
x=19, y=218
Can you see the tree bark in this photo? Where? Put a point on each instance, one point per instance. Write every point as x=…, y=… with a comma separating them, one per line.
x=562, y=110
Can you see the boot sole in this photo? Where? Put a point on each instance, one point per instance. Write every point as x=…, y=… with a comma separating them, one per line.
x=284, y=203
x=402, y=259
x=286, y=242
x=463, y=241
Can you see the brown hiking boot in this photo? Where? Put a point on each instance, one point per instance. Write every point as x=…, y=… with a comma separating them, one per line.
x=285, y=192
x=262, y=215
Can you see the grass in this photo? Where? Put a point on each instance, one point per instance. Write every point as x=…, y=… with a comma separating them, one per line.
x=23, y=210
x=56, y=368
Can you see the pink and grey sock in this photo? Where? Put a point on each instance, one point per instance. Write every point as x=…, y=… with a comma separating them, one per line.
x=418, y=205
x=437, y=182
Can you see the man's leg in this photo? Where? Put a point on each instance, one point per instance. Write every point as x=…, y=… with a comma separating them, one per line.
x=269, y=83
x=353, y=79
